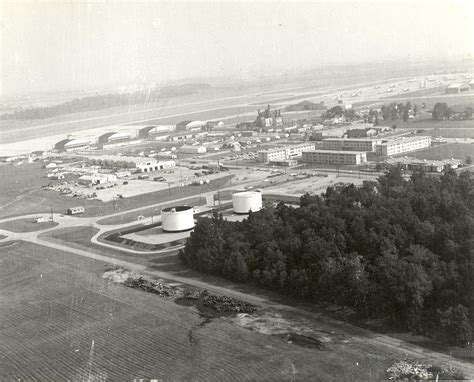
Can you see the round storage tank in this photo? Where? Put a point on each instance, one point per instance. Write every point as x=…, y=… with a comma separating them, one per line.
x=177, y=219
x=246, y=201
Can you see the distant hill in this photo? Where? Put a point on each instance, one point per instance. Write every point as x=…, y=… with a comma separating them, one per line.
x=104, y=101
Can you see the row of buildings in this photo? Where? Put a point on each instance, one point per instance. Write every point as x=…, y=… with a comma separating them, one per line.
x=129, y=135
x=344, y=150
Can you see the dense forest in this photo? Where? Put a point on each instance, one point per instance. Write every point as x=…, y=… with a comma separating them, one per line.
x=399, y=249
x=104, y=101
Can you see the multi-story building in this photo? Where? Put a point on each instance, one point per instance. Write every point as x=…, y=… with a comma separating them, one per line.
x=402, y=145
x=350, y=144
x=283, y=153
x=335, y=157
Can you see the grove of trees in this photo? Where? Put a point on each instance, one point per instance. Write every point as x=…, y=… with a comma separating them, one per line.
x=394, y=111
x=396, y=249
x=441, y=111
x=104, y=101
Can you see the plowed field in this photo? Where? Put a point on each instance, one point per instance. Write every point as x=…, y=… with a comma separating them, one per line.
x=60, y=320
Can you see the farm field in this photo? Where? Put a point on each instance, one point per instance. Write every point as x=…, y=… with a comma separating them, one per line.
x=65, y=322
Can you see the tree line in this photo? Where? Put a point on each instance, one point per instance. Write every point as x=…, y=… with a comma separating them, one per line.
x=441, y=111
x=104, y=101
x=399, y=249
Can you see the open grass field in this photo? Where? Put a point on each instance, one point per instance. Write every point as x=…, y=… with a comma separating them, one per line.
x=76, y=235
x=64, y=322
x=79, y=238
x=447, y=151
x=26, y=225
x=147, y=212
x=21, y=192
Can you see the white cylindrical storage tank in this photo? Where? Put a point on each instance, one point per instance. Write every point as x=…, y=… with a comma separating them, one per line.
x=246, y=201
x=177, y=219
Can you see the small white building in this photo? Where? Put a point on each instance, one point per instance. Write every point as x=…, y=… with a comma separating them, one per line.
x=94, y=179
x=56, y=175
x=150, y=165
x=192, y=149
x=75, y=210
x=123, y=174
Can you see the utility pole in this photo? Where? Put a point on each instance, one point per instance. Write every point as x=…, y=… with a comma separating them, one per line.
x=52, y=218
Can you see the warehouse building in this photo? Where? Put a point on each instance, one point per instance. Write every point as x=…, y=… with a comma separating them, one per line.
x=350, y=144
x=457, y=88
x=415, y=164
x=284, y=153
x=402, y=145
x=180, y=126
x=113, y=140
x=335, y=157
x=72, y=144
x=181, y=137
x=154, y=132
x=94, y=179
x=195, y=125
x=190, y=125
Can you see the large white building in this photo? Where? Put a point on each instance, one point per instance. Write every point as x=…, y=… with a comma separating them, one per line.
x=335, y=157
x=283, y=153
x=77, y=145
x=351, y=144
x=402, y=145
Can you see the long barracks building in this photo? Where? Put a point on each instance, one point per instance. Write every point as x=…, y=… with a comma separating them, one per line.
x=344, y=157
x=284, y=153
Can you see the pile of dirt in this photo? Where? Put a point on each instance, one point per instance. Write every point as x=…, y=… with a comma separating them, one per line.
x=132, y=280
x=118, y=275
x=208, y=303
x=157, y=287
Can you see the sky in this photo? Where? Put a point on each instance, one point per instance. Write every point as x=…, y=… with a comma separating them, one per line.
x=60, y=45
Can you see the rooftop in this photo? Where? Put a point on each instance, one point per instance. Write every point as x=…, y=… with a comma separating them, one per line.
x=336, y=152
x=396, y=140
